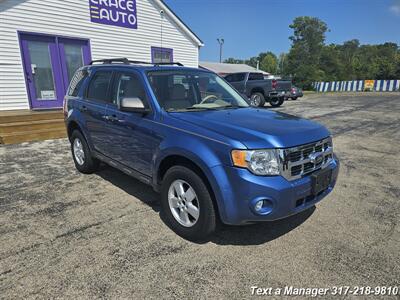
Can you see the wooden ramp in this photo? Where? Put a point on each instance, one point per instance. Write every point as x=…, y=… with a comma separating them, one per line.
x=19, y=126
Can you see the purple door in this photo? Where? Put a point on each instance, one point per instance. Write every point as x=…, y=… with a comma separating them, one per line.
x=49, y=64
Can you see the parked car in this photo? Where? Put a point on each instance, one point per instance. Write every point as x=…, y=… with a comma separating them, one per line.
x=196, y=141
x=294, y=93
x=258, y=89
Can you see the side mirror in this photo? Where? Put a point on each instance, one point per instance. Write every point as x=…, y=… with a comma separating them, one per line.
x=134, y=104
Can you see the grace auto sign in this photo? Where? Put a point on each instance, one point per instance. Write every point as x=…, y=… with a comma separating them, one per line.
x=114, y=12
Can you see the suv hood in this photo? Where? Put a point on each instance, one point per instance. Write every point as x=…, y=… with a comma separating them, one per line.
x=257, y=128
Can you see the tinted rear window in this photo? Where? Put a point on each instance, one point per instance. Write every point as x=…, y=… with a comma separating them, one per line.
x=235, y=77
x=98, y=86
x=77, y=82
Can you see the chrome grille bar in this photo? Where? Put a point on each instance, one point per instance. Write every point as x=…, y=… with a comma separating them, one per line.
x=299, y=161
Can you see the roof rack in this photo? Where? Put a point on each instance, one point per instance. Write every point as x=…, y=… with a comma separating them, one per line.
x=126, y=61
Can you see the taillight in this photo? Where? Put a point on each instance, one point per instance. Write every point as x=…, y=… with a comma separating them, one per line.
x=65, y=107
x=274, y=83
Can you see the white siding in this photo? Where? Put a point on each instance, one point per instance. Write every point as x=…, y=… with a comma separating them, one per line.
x=71, y=18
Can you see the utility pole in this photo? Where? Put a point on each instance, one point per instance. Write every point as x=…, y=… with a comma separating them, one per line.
x=220, y=42
x=282, y=63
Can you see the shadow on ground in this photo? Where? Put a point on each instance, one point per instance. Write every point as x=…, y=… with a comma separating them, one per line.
x=259, y=233
x=254, y=234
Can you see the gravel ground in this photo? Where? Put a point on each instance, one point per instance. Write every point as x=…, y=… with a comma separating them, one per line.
x=68, y=235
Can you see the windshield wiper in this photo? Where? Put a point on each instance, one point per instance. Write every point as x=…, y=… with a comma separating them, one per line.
x=231, y=106
x=188, y=108
x=205, y=108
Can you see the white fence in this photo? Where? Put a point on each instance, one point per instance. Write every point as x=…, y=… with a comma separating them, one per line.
x=358, y=86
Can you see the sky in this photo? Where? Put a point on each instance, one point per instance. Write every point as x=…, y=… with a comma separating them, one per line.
x=253, y=26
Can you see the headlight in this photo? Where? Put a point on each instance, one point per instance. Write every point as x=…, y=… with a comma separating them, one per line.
x=259, y=162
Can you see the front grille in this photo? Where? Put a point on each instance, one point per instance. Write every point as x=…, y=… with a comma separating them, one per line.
x=305, y=159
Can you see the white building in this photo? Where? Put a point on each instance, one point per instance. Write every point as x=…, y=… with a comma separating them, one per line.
x=42, y=43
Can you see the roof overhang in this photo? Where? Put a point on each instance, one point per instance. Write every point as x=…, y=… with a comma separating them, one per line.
x=168, y=11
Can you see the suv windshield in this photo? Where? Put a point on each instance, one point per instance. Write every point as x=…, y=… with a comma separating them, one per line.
x=193, y=90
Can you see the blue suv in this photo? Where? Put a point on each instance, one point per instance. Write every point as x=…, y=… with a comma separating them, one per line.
x=195, y=140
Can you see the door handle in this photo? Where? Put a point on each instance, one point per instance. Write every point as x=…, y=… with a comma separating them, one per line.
x=111, y=118
x=83, y=108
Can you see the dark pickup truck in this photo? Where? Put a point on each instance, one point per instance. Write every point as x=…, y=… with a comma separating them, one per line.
x=258, y=89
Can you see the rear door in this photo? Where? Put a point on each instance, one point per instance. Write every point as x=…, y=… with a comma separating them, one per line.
x=238, y=81
x=257, y=82
x=132, y=140
x=93, y=108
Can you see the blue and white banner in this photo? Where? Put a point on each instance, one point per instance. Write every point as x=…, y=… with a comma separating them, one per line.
x=358, y=86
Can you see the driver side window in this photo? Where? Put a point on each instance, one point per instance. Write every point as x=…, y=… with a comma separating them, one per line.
x=128, y=85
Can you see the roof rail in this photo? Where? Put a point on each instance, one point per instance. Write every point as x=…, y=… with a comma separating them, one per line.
x=168, y=64
x=126, y=61
x=110, y=61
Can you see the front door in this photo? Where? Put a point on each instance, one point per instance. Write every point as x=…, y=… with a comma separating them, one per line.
x=49, y=64
x=131, y=137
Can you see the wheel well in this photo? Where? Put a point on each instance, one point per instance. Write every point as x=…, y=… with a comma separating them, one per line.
x=257, y=90
x=177, y=160
x=71, y=127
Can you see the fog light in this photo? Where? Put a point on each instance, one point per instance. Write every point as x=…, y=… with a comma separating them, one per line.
x=259, y=205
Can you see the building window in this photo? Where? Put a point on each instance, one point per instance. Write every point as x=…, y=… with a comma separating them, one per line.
x=161, y=55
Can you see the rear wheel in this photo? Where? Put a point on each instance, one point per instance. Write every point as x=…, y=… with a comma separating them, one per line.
x=276, y=102
x=257, y=100
x=84, y=162
x=186, y=204
x=294, y=98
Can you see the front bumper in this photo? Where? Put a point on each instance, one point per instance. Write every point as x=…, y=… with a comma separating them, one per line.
x=240, y=189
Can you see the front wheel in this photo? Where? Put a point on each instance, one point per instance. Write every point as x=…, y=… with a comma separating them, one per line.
x=257, y=100
x=276, y=102
x=186, y=204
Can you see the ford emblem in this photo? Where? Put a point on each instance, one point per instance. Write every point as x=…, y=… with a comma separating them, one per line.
x=316, y=158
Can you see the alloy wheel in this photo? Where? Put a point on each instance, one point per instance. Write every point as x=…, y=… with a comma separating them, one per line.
x=183, y=203
x=79, y=154
x=255, y=100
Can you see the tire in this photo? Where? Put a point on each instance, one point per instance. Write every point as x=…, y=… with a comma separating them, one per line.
x=276, y=102
x=173, y=207
x=294, y=98
x=257, y=100
x=83, y=159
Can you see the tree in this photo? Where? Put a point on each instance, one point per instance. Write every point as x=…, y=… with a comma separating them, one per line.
x=304, y=56
x=252, y=61
x=232, y=60
x=310, y=60
x=348, y=55
x=387, y=59
x=269, y=62
x=397, y=62
x=331, y=63
x=283, y=64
